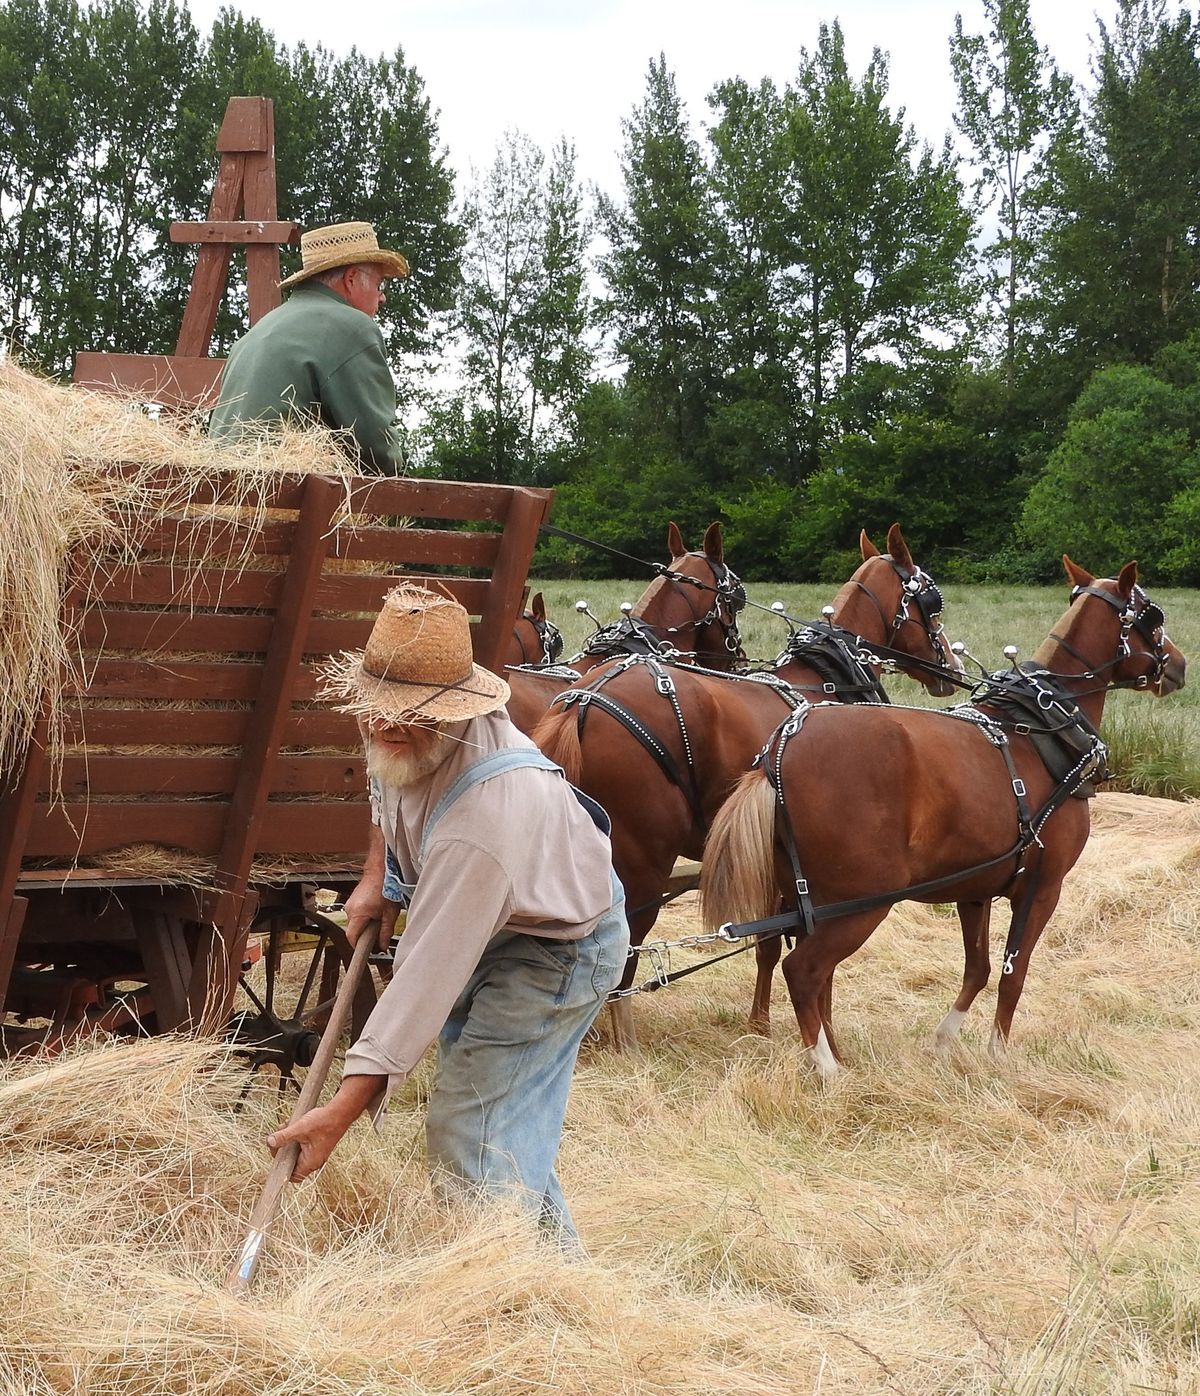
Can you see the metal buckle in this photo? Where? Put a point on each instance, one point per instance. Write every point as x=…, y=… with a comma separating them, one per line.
x=830, y=688
x=802, y=887
x=1018, y=786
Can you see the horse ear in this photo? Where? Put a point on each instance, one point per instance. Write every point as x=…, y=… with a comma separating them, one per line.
x=1076, y=575
x=675, y=540
x=537, y=606
x=1127, y=580
x=714, y=543
x=866, y=547
x=898, y=547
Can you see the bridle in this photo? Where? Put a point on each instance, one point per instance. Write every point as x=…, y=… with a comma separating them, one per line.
x=1139, y=615
x=729, y=598
x=917, y=590
x=549, y=637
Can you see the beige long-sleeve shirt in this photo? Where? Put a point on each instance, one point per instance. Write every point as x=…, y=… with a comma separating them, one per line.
x=515, y=852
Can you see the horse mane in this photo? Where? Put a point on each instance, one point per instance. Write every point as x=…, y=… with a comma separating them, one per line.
x=557, y=734
x=737, y=876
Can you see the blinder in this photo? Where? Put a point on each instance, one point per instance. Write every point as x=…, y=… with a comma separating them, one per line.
x=551, y=638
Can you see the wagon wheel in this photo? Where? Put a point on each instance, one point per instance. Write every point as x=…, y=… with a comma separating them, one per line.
x=288, y=1012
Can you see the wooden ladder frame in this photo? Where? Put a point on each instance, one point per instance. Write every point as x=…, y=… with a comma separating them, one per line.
x=243, y=213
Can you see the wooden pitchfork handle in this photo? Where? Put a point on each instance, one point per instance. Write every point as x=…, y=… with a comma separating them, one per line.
x=241, y=1274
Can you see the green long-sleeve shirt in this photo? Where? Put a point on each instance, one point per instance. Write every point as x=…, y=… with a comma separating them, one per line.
x=314, y=358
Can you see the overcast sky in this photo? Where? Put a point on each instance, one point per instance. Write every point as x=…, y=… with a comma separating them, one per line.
x=576, y=67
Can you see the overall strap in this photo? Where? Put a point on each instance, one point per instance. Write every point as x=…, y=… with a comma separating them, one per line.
x=495, y=764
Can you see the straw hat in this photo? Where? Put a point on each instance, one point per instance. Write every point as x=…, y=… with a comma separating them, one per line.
x=343, y=245
x=417, y=665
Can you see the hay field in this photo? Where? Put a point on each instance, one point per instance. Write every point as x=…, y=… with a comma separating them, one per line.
x=923, y=1227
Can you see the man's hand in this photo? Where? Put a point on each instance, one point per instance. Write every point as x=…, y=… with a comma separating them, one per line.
x=318, y=1130
x=367, y=902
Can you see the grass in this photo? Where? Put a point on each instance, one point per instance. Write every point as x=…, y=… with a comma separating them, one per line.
x=1155, y=746
x=981, y=1228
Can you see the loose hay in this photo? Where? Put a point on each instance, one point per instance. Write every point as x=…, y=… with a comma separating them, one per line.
x=924, y=1227
x=62, y=500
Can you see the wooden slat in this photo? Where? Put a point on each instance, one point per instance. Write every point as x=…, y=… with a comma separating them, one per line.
x=210, y=587
x=149, y=776
x=212, y=538
x=106, y=630
x=172, y=380
x=69, y=831
x=366, y=495
x=234, y=232
x=172, y=680
x=178, y=727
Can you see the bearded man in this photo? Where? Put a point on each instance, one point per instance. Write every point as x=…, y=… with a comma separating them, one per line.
x=319, y=357
x=515, y=929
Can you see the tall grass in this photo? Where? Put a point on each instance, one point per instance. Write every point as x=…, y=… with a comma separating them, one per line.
x=1155, y=745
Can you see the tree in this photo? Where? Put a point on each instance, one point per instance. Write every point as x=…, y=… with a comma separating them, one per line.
x=1121, y=479
x=877, y=229
x=754, y=423
x=1012, y=104
x=659, y=271
x=1122, y=259
x=523, y=313
x=39, y=133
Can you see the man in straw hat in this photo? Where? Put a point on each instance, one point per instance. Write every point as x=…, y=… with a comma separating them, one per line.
x=319, y=357
x=515, y=928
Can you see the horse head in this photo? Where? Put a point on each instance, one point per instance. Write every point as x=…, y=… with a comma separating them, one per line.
x=535, y=638
x=1122, y=644
x=891, y=601
x=694, y=601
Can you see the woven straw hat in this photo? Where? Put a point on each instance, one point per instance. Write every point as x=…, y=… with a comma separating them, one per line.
x=343, y=245
x=417, y=665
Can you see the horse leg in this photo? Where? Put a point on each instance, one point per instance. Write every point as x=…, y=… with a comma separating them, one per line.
x=766, y=953
x=808, y=971
x=1041, y=908
x=975, y=919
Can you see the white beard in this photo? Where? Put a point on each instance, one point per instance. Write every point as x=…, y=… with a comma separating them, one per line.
x=396, y=769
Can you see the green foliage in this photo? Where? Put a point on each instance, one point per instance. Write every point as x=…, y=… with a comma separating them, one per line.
x=1121, y=259
x=659, y=272
x=1012, y=104
x=108, y=116
x=1118, y=484
x=523, y=316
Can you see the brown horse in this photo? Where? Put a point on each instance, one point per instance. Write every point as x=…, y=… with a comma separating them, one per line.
x=535, y=638
x=666, y=746
x=853, y=809
x=692, y=607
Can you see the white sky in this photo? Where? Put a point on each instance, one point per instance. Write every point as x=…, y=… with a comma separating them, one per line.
x=576, y=67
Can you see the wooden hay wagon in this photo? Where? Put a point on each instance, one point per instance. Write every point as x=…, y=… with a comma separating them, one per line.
x=197, y=794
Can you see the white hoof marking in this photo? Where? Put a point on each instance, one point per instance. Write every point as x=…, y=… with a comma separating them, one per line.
x=824, y=1060
x=948, y=1029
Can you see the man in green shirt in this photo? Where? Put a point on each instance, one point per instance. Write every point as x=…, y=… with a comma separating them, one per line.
x=319, y=357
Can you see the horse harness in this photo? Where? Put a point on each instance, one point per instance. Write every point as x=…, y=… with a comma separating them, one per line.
x=549, y=637
x=1031, y=704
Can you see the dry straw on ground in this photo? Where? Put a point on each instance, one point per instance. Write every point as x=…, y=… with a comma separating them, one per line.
x=62, y=499
x=924, y=1227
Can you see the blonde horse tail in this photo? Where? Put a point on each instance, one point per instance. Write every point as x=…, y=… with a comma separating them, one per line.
x=737, y=876
x=557, y=734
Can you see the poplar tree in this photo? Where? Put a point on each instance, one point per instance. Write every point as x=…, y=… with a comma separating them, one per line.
x=1012, y=104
